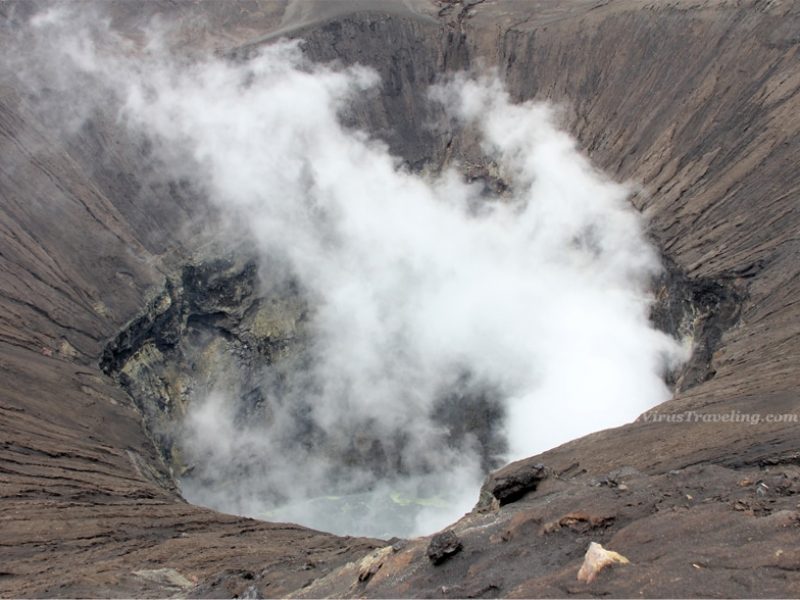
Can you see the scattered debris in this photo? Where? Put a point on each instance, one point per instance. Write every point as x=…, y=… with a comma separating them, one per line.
x=443, y=546
x=577, y=521
x=615, y=478
x=754, y=507
x=596, y=559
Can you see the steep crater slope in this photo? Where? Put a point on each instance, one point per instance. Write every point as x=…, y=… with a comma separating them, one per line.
x=697, y=102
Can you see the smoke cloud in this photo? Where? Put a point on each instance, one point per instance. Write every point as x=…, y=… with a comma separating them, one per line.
x=431, y=299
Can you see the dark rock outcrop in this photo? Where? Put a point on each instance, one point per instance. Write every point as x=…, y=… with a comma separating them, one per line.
x=443, y=546
x=510, y=483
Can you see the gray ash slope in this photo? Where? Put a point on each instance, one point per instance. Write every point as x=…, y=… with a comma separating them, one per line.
x=697, y=101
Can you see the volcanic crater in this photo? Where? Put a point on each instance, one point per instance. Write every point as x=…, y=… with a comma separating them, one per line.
x=119, y=307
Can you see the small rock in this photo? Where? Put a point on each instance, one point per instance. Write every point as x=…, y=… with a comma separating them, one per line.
x=372, y=563
x=596, y=559
x=443, y=546
x=398, y=545
x=510, y=484
x=578, y=521
x=166, y=577
x=251, y=593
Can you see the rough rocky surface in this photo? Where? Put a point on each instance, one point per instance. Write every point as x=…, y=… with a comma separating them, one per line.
x=509, y=484
x=443, y=546
x=211, y=326
x=695, y=100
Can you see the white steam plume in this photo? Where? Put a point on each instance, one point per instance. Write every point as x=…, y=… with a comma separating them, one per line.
x=419, y=284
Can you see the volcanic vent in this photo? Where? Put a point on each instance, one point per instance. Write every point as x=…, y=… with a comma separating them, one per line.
x=344, y=371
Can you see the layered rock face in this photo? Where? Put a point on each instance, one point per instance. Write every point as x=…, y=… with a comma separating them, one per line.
x=697, y=102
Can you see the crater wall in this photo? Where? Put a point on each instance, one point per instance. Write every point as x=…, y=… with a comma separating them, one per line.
x=697, y=101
